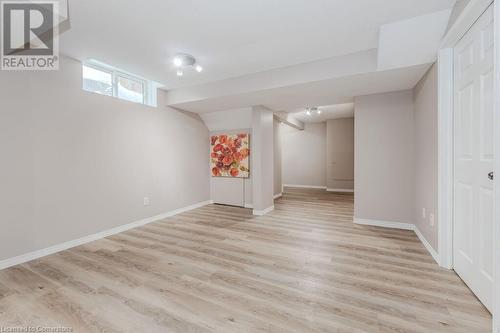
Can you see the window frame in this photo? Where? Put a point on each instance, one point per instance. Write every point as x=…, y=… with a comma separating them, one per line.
x=144, y=83
x=101, y=69
x=147, y=85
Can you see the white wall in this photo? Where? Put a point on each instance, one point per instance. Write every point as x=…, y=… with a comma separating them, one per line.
x=340, y=154
x=76, y=163
x=304, y=155
x=277, y=157
x=228, y=119
x=262, y=160
x=231, y=191
x=256, y=190
x=426, y=155
x=384, y=157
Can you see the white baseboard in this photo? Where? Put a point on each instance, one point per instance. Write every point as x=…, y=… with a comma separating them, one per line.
x=305, y=186
x=340, y=190
x=404, y=226
x=87, y=239
x=248, y=205
x=263, y=212
x=428, y=246
x=279, y=195
x=385, y=224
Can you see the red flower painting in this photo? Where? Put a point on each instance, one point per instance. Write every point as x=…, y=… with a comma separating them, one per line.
x=230, y=155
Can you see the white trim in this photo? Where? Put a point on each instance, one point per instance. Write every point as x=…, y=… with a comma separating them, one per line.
x=306, y=186
x=470, y=14
x=402, y=226
x=279, y=195
x=149, y=88
x=445, y=157
x=496, y=224
x=263, y=212
x=428, y=246
x=384, y=224
x=90, y=238
x=340, y=190
x=248, y=205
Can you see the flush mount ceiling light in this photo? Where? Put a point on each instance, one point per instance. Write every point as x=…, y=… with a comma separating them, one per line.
x=183, y=61
x=313, y=111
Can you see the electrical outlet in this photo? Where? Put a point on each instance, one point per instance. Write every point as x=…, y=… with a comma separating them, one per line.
x=146, y=201
x=424, y=213
x=431, y=219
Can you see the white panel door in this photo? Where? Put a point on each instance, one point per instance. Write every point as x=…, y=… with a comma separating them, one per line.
x=473, y=159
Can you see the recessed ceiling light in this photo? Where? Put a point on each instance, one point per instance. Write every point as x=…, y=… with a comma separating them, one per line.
x=198, y=68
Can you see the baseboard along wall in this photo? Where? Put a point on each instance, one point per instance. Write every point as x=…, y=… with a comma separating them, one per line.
x=263, y=212
x=340, y=190
x=403, y=226
x=9, y=262
x=305, y=186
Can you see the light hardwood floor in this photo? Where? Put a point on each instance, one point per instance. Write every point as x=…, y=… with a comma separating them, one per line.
x=305, y=267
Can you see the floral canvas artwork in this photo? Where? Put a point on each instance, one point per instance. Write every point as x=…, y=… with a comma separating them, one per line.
x=229, y=155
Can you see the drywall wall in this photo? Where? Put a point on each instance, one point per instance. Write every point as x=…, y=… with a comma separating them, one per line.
x=340, y=154
x=228, y=119
x=304, y=155
x=262, y=160
x=384, y=157
x=412, y=41
x=17, y=175
x=76, y=163
x=426, y=155
x=232, y=191
x=259, y=123
x=288, y=119
x=277, y=157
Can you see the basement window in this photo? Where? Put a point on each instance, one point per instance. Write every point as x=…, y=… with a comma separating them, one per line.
x=106, y=80
x=131, y=89
x=97, y=80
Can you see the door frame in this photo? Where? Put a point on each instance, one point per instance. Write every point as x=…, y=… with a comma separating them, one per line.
x=470, y=15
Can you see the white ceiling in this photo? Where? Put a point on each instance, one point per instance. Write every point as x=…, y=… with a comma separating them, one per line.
x=229, y=38
x=335, y=111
